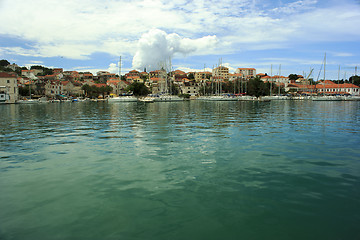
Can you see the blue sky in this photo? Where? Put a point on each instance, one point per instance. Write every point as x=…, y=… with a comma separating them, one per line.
x=90, y=35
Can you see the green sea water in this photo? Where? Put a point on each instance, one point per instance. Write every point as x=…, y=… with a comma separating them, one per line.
x=181, y=170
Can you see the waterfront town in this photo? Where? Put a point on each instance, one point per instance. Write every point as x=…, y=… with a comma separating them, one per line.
x=19, y=84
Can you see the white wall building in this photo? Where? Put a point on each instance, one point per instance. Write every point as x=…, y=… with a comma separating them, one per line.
x=247, y=73
x=9, y=91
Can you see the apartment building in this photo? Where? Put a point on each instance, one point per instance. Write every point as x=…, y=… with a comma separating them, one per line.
x=9, y=91
x=202, y=76
x=247, y=73
x=220, y=72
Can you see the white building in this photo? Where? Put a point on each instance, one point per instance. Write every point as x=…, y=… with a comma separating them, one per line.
x=220, y=72
x=53, y=88
x=9, y=91
x=247, y=73
x=189, y=87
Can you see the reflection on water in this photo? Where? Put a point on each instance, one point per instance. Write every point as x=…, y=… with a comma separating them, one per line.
x=184, y=170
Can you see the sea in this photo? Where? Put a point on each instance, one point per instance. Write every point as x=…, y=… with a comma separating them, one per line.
x=187, y=170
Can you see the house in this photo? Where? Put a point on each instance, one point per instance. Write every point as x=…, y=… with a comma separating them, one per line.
x=72, y=88
x=57, y=71
x=135, y=78
x=236, y=77
x=28, y=73
x=328, y=88
x=178, y=74
x=189, y=87
x=220, y=72
x=71, y=75
x=54, y=88
x=276, y=79
x=158, y=74
x=86, y=75
x=247, y=73
x=9, y=91
x=133, y=73
x=202, y=76
x=118, y=86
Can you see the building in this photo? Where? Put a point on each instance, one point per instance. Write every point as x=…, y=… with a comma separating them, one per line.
x=9, y=91
x=327, y=88
x=330, y=88
x=132, y=73
x=28, y=73
x=236, y=77
x=276, y=79
x=118, y=86
x=202, y=76
x=178, y=74
x=70, y=75
x=247, y=73
x=54, y=88
x=72, y=88
x=158, y=74
x=189, y=87
x=220, y=73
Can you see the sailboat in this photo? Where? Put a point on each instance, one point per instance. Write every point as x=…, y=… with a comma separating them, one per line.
x=324, y=97
x=166, y=95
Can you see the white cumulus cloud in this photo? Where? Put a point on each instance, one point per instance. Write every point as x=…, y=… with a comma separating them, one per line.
x=156, y=47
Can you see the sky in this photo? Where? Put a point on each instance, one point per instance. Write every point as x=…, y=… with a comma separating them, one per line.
x=273, y=36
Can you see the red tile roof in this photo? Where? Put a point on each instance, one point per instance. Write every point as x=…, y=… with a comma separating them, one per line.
x=8, y=75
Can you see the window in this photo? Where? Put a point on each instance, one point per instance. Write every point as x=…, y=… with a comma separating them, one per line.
x=8, y=81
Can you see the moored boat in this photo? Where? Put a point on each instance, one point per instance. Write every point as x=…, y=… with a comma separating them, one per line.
x=122, y=99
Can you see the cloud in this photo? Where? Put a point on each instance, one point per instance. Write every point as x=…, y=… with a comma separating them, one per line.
x=156, y=47
x=76, y=29
x=113, y=68
x=295, y=7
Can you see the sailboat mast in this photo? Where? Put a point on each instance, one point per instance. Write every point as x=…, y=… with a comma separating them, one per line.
x=271, y=80
x=118, y=85
x=204, y=81
x=279, y=78
x=324, y=72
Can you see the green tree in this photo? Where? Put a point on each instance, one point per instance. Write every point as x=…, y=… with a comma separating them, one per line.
x=293, y=77
x=191, y=76
x=24, y=91
x=355, y=80
x=46, y=71
x=4, y=63
x=87, y=89
x=174, y=89
x=138, y=89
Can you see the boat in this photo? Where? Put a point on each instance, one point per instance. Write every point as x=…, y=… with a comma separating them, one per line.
x=276, y=97
x=147, y=99
x=247, y=98
x=167, y=98
x=28, y=101
x=122, y=99
x=328, y=98
x=226, y=97
x=351, y=98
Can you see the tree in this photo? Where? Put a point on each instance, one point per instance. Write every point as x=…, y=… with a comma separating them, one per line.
x=355, y=80
x=256, y=87
x=4, y=63
x=24, y=91
x=87, y=89
x=138, y=89
x=46, y=71
x=191, y=76
x=293, y=77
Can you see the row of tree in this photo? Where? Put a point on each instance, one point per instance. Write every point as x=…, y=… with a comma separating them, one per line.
x=94, y=91
x=254, y=87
